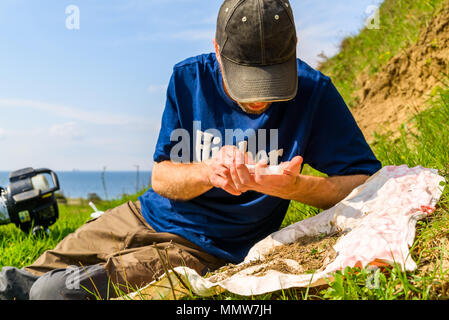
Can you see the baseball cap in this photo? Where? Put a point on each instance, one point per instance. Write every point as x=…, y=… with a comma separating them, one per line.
x=257, y=40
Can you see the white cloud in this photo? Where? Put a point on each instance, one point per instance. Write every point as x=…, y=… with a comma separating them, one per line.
x=67, y=130
x=64, y=146
x=63, y=137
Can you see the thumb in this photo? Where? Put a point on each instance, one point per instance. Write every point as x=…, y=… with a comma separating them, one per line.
x=294, y=166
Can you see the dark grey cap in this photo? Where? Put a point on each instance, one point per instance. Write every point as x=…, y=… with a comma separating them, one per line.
x=257, y=40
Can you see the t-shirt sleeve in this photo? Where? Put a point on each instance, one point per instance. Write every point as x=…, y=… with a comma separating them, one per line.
x=170, y=122
x=336, y=145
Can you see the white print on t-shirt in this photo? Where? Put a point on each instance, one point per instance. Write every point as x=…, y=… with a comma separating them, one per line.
x=208, y=143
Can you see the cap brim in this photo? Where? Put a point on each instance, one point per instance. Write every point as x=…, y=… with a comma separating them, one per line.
x=247, y=84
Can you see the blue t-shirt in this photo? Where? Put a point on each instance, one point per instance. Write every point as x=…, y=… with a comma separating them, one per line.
x=199, y=118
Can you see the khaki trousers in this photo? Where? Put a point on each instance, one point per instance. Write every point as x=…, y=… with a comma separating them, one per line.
x=129, y=250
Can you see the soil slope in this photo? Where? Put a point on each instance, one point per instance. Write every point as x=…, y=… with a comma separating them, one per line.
x=402, y=87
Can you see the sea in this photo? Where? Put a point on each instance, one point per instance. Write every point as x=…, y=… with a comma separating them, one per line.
x=110, y=185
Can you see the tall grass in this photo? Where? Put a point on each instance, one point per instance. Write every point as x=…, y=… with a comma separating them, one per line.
x=422, y=141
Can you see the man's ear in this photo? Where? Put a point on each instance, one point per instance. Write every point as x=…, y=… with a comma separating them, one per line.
x=217, y=50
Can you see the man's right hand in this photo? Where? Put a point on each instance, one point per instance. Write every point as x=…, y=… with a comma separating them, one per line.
x=219, y=172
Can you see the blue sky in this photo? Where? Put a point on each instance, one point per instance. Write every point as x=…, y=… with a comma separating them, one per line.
x=93, y=96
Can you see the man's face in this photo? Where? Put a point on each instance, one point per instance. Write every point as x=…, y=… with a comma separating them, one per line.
x=252, y=108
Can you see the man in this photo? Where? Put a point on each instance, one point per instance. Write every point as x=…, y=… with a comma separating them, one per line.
x=228, y=116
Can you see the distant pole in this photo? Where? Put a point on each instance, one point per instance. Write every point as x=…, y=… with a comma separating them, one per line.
x=137, y=177
x=103, y=181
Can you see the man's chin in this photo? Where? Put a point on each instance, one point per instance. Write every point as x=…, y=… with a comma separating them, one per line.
x=254, y=110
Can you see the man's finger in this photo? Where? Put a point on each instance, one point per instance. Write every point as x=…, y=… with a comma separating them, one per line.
x=294, y=166
x=230, y=153
x=227, y=186
x=259, y=170
x=236, y=179
x=240, y=157
x=244, y=175
x=222, y=171
x=232, y=179
x=244, y=178
x=261, y=165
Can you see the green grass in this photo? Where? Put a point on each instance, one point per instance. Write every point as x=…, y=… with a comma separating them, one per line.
x=20, y=249
x=364, y=54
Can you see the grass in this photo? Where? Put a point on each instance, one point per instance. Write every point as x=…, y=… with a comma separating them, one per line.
x=20, y=249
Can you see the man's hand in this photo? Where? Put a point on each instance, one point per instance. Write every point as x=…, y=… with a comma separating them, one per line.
x=228, y=171
x=274, y=185
x=220, y=169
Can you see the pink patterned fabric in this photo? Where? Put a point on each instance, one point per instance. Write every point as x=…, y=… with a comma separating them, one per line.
x=386, y=230
x=377, y=219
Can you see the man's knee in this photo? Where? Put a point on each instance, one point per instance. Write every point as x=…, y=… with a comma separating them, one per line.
x=72, y=283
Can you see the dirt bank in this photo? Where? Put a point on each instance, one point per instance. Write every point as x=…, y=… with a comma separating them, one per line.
x=391, y=96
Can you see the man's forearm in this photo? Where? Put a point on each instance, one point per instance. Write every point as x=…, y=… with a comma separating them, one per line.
x=323, y=192
x=180, y=181
x=184, y=182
